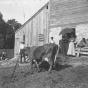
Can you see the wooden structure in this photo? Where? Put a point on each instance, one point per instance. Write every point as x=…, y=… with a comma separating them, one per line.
x=81, y=51
x=68, y=13
x=35, y=31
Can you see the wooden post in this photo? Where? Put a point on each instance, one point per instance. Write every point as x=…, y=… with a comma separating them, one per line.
x=78, y=52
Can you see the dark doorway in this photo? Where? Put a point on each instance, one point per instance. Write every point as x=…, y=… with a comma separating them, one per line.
x=72, y=33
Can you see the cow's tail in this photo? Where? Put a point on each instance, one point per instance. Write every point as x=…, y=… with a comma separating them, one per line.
x=55, y=59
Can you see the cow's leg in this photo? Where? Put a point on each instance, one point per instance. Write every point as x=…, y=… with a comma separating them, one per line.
x=37, y=65
x=31, y=66
x=54, y=63
x=50, y=68
x=51, y=62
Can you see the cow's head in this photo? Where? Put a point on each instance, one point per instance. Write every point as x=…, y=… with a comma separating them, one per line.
x=47, y=57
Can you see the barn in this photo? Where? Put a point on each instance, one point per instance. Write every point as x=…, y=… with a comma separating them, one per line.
x=35, y=31
x=51, y=19
x=69, y=14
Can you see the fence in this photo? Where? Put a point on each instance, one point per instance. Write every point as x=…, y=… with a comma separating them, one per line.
x=9, y=52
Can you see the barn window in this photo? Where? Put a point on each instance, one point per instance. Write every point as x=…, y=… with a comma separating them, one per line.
x=47, y=7
x=41, y=37
x=24, y=39
x=72, y=33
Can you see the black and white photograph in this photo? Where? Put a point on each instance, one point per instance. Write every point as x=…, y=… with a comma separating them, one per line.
x=43, y=43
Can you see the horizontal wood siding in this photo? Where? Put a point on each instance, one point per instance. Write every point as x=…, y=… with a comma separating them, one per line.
x=68, y=12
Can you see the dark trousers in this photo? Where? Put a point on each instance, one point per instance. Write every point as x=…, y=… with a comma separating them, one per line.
x=64, y=48
x=22, y=55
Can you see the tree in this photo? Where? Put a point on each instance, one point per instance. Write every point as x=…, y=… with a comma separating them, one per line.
x=7, y=32
x=2, y=24
x=2, y=43
x=13, y=25
x=1, y=18
x=2, y=31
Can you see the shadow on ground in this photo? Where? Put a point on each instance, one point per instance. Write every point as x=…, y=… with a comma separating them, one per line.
x=57, y=67
x=60, y=67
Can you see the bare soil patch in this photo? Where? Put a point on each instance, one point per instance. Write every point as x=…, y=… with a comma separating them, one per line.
x=68, y=75
x=65, y=77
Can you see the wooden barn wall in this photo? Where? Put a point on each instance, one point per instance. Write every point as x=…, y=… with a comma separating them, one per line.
x=68, y=12
x=17, y=42
x=29, y=34
x=37, y=25
x=26, y=35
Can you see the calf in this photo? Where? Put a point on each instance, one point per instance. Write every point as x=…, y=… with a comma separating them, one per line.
x=41, y=52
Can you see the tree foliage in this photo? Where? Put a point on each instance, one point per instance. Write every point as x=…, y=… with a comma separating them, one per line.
x=7, y=32
x=13, y=23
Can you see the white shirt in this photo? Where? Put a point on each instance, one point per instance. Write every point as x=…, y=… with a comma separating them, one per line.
x=52, y=41
x=22, y=46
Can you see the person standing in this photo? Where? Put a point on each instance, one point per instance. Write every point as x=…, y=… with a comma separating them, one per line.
x=63, y=45
x=3, y=57
x=52, y=41
x=22, y=51
x=71, y=48
x=82, y=43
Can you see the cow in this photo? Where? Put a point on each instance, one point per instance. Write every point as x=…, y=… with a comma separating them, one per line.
x=41, y=52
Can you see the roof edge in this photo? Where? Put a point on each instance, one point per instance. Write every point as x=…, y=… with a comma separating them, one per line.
x=32, y=17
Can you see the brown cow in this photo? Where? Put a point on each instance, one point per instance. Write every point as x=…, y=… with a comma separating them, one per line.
x=41, y=52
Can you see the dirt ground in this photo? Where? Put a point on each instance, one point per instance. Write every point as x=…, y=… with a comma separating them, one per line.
x=66, y=76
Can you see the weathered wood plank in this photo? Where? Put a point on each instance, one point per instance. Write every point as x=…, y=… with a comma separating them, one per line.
x=68, y=11
x=81, y=52
x=38, y=24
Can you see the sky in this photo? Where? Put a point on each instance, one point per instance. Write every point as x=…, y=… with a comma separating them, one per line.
x=21, y=10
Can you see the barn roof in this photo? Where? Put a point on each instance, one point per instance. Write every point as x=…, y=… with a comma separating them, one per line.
x=32, y=17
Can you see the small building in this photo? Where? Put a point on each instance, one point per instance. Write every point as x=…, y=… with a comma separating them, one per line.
x=35, y=31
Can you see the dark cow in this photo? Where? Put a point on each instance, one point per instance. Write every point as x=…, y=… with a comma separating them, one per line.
x=41, y=52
